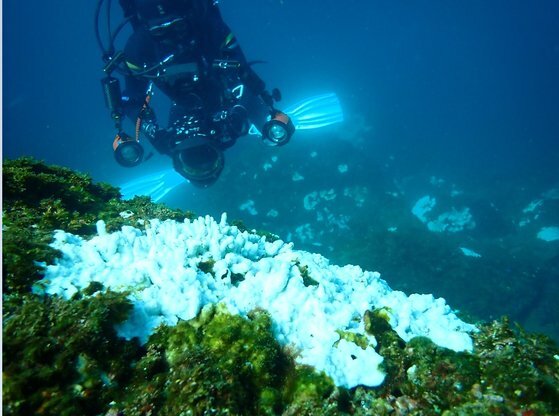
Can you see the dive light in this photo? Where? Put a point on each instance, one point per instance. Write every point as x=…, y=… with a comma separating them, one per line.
x=127, y=150
x=278, y=130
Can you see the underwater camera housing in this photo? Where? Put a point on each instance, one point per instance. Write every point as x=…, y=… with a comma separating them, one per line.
x=201, y=165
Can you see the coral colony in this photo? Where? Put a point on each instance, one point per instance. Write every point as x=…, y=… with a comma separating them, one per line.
x=449, y=221
x=173, y=270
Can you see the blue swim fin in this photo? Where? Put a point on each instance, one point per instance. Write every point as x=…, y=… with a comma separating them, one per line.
x=155, y=185
x=316, y=112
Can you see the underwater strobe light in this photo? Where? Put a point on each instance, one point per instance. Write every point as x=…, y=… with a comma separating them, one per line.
x=278, y=130
x=128, y=152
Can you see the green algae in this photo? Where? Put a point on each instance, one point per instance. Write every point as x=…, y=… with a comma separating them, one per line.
x=358, y=339
x=62, y=357
x=306, y=276
x=220, y=364
x=519, y=367
x=137, y=212
x=37, y=199
x=207, y=266
x=425, y=379
x=30, y=182
x=310, y=393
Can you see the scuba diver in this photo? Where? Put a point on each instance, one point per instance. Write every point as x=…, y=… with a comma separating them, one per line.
x=186, y=50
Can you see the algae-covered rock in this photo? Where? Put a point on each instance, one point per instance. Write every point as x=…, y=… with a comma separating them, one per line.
x=30, y=182
x=219, y=361
x=521, y=368
x=63, y=357
x=509, y=372
x=222, y=364
x=38, y=198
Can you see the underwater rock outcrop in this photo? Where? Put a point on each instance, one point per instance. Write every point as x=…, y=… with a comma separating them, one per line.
x=63, y=354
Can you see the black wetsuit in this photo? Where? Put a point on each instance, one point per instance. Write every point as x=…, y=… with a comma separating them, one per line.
x=187, y=74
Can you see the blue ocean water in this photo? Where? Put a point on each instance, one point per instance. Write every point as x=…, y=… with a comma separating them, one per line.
x=455, y=100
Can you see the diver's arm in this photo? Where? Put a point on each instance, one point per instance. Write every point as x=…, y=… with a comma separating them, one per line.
x=136, y=107
x=224, y=45
x=279, y=129
x=138, y=51
x=134, y=96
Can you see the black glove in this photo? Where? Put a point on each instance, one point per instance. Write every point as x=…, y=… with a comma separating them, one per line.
x=150, y=129
x=269, y=98
x=161, y=140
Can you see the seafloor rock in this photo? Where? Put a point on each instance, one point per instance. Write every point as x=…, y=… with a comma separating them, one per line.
x=64, y=357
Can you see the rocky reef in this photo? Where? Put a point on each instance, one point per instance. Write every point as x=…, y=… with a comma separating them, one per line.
x=64, y=357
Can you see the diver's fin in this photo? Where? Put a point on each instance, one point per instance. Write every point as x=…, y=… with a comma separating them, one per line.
x=155, y=185
x=316, y=112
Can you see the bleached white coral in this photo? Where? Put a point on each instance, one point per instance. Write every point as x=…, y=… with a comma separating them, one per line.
x=159, y=266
